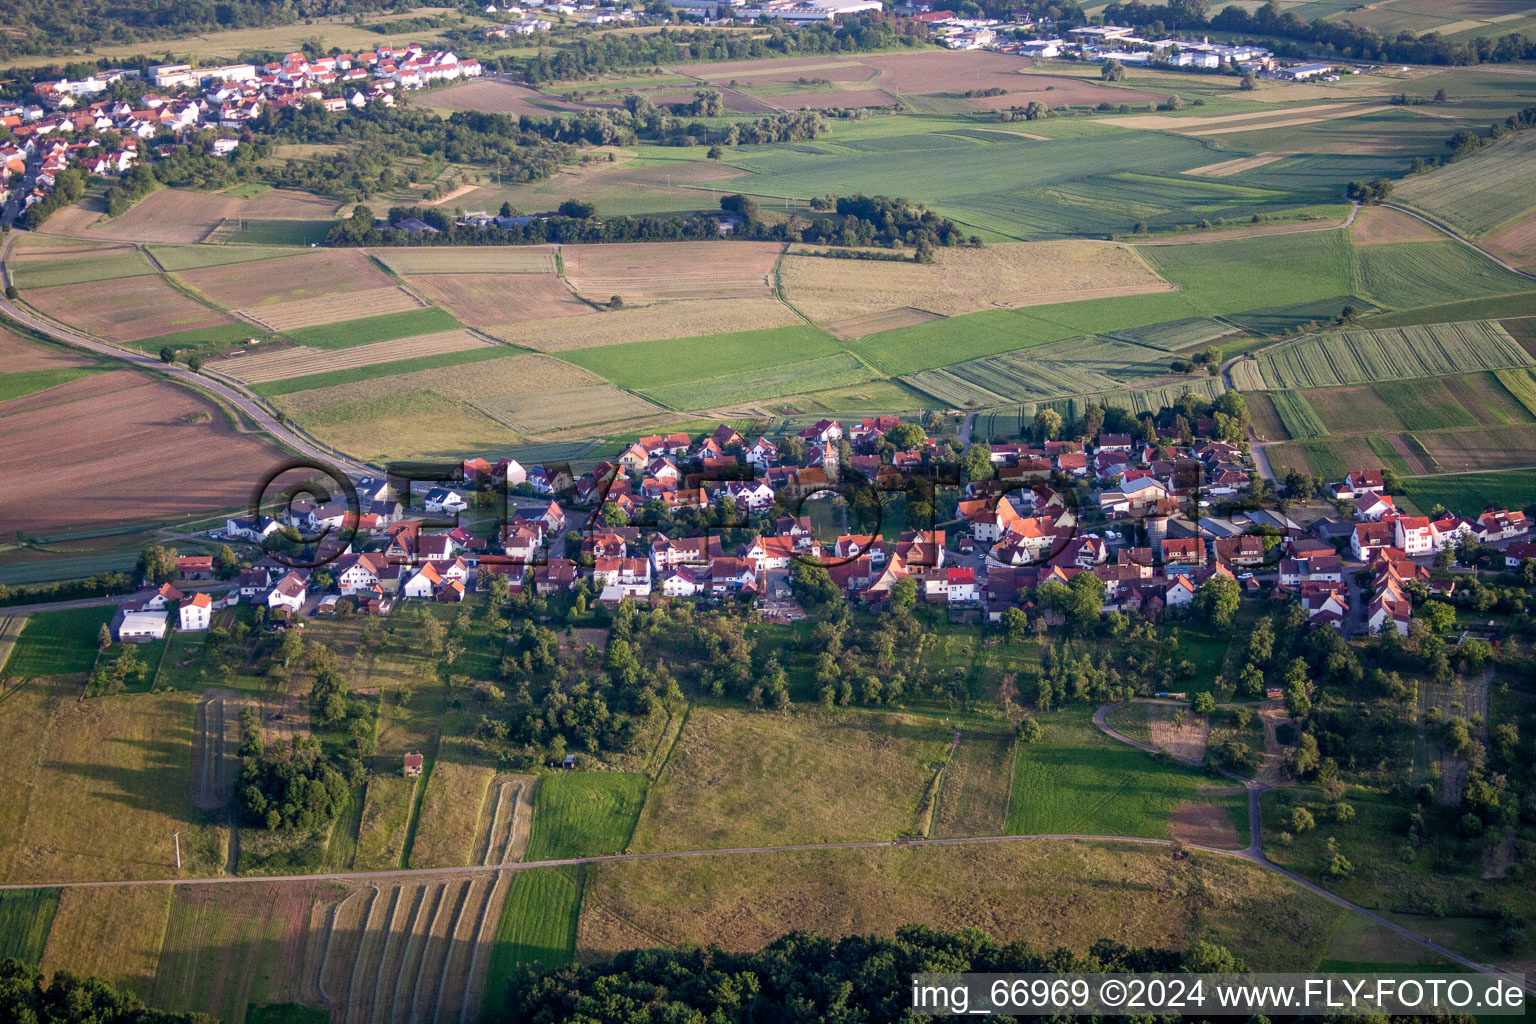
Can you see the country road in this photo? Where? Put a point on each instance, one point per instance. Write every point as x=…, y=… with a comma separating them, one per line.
x=227, y=390
x=1252, y=854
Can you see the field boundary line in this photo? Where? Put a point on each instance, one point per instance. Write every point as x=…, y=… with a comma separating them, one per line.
x=1464, y=240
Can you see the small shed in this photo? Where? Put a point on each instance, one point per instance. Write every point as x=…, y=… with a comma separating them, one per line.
x=569, y=762
x=412, y=765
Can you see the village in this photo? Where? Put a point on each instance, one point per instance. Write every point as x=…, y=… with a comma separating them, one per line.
x=64, y=126
x=722, y=518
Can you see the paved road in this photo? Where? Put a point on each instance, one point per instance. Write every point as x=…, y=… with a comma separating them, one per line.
x=100, y=602
x=224, y=388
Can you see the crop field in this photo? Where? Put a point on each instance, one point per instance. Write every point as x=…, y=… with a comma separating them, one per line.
x=585, y=814
x=482, y=299
x=414, y=424
x=1074, y=367
x=655, y=322
x=965, y=280
x=522, y=373
x=225, y=949
x=390, y=326
x=1078, y=781
x=1516, y=243
x=330, y=309
x=1359, y=357
x=1332, y=457
x=974, y=795
x=1401, y=276
x=269, y=282
x=1472, y=492
x=114, y=934
x=176, y=258
x=34, y=268
x=468, y=259
x=1480, y=448
x=125, y=310
x=181, y=216
x=538, y=926
x=542, y=411
x=1013, y=420
x=1521, y=385
x=1477, y=194
x=451, y=812
x=26, y=915
x=671, y=270
x=740, y=779
x=386, y=820
x=495, y=96
x=19, y=355
x=753, y=385
x=156, y=430
x=1265, y=417
x=1379, y=225
x=19, y=385
x=1300, y=419
x=644, y=366
x=1050, y=893
x=1232, y=276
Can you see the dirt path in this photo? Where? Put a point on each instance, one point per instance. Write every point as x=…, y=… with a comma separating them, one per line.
x=215, y=740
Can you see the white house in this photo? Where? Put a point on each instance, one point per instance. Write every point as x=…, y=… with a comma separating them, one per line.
x=1180, y=592
x=443, y=499
x=138, y=626
x=288, y=593
x=1371, y=508
x=685, y=581
x=1413, y=534
x=254, y=529
x=196, y=613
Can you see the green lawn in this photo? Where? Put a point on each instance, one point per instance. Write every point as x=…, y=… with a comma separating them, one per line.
x=584, y=814
x=54, y=643
x=1078, y=781
x=348, y=333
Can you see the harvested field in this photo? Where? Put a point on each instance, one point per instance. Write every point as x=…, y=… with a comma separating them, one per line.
x=1516, y=243
x=192, y=257
x=508, y=817
x=1376, y=225
x=469, y=259
x=1292, y=121
x=963, y=280
x=156, y=432
x=386, y=819
x=657, y=321
x=837, y=98
x=114, y=934
x=1204, y=825
x=542, y=411
x=215, y=743
x=1265, y=417
x=128, y=309
x=1248, y=121
x=671, y=270
x=330, y=309
x=299, y=361
x=494, y=96
x=286, y=280
x=183, y=216
x=874, y=323
x=479, y=299
x=1186, y=742
x=1049, y=893
x=472, y=382
x=1227, y=168
x=18, y=355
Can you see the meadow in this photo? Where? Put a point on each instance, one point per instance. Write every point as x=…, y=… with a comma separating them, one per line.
x=1300, y=419
x=452, y=806
x=584, y=814
x=26, y=915
x=1477, y=194
x=57, y=643
x=387, y=811
x=1472, y=492
x=114, y=934
x=1078, y=781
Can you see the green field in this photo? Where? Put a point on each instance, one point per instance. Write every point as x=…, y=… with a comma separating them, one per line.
x=381, y=836
x=1078, y=781
x=15, y=385
x=1265, y=272
x=1079, y=366
x=273, y=232
x=221, y=337
x=348, y=333
x=1521, y=384
x=25, y=917
x=399, y=366
x=54, y=643
x=650, y=364
x=1363, y=357
x=584, y=814
x=832, y=371
x=1300, y=419
x=1521, y=304
x=98, y=266
x=194, y=257
x=1476, y=194
x=537, y=926
x=1471, y=493
x=1332, y=457
x=1408, y=274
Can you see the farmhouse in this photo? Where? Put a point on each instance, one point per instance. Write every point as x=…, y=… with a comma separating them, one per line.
x=194, y=567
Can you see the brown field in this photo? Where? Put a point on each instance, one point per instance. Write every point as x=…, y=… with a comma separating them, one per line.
x=75, y=220
x=1266, y=419
x=180, y=215
x=434, y=428
x=331, y=309
x=493, y=378
x=298, y=361
x=938, y=71
x=1186, y=741
x=1204, y=824
x=480, y=299
x=127, y=309
x=149, y=432
x=1378, y=225
x=469, y=259
x=539, y=412
x=1351, y=409
x=114, y=934
x=1515, y=243
x=1291, y=121
x=18, y=355
x=735, y=101
x=885, y=320
x=451, y=813
x=1055, y=91
x=853, y=70
x=508, y=815
x=37, y=248
x=286, y=279
x=671, y=270
x=1226, y=168
x=647, y=323
x=845, y=98
x=496, y=97
x=963, y=280
x=1252, y=121
x=1048, y=892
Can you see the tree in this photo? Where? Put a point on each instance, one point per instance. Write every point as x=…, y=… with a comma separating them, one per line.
x=1087, y=600
x=616, y=302
x=103, y=637
x=1297, y=703
x=1204, y=703
x=167, y=354
x=906, y=435
x=225, y=564
x=1029, y=731
x=1301, y=820
x=976, y=464
x=1048, y=424
x=904, y=593
x=1015, y=623
x=195, y=364
x=1217, y=601
x=578, y=210
x=1438, y=616
x=1112, y=71
x=1248, y=81
x=157, y=564
x=715, y=153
